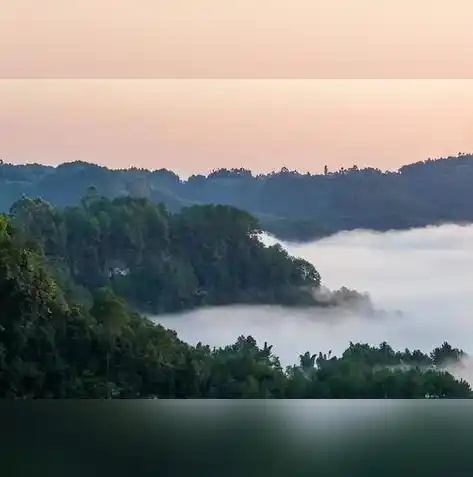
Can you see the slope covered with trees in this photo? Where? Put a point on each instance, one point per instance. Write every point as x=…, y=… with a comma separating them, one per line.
x=162, y=262
x=424, y=193
x=52, y=347
x=72, y=276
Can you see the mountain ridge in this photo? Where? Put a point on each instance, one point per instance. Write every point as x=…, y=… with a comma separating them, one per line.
x=288, y=204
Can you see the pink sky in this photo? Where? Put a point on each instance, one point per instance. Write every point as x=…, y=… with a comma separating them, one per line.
x=198, y=125
x=236, y=38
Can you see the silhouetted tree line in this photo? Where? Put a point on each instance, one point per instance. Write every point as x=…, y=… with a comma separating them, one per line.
x=57, y=343
x=287, y=203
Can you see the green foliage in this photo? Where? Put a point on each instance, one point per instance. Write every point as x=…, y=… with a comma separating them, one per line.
x=68, y=277
x=162, y=262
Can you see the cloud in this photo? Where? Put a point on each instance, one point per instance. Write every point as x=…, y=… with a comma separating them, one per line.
x=421, y=279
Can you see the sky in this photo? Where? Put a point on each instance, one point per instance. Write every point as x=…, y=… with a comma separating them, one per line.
x=195, y=86
x=229, y=38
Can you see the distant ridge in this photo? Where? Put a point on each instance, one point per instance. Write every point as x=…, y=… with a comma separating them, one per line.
x=288, y=204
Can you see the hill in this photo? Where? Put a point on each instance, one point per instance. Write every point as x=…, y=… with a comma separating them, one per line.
x=162, y=262
x=288, y=204
x=51, y=347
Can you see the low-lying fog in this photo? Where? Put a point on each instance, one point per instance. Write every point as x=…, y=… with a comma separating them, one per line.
x=421, y=279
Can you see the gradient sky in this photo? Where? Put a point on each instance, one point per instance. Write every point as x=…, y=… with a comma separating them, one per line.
x=182, y=117
x=197, y=125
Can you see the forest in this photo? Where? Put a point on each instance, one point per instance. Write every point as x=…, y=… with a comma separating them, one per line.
x=76, y=282
x=428, y=192
x=161, y=262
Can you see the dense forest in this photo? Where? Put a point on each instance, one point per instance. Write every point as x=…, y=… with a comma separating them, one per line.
x=312, y=205
x=161, y=262
x=71, y=280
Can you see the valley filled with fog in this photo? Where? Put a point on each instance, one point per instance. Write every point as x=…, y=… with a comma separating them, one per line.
x=420, y=282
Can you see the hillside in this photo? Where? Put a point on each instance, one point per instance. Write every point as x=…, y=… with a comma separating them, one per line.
x=286, y=203
x=162, y=262
x=51, y=347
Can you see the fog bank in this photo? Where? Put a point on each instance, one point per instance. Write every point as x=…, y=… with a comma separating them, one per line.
x=422, y=279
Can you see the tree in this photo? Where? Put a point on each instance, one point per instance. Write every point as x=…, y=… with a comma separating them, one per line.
x=112, y=314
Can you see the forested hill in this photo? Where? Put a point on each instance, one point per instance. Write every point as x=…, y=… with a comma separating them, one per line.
x=51, y=347
x=162, y=262
x=288, y=204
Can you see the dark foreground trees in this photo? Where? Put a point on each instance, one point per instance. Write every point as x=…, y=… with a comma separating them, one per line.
x=52, y=347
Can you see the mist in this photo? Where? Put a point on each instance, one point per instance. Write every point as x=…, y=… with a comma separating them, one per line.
x=420, y=282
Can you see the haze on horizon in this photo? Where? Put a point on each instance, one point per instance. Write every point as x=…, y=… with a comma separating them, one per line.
x=194, y=126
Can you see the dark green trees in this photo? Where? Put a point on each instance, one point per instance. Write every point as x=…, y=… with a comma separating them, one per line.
x=288, y=204
x=67, y=331
x=162, y=262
